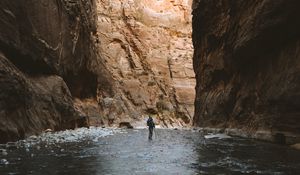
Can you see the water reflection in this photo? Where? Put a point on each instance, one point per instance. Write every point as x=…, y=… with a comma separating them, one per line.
x=171, y=152
x=235, y=156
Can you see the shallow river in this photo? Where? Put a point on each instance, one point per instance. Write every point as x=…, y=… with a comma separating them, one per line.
x=120, y=152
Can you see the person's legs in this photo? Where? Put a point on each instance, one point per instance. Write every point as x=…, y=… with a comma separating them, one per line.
x=150, y=133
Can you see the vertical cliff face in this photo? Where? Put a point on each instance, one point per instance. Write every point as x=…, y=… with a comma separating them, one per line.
x=62, y=61
x=46, y=51
x=147, y=48
x=246, y=61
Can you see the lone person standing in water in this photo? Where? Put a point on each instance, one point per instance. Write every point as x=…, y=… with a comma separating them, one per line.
x=151, y=125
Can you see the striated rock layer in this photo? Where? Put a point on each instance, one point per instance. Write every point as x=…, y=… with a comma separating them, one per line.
x=147, y=48
x=68, y=63
x=46, y=51
x=246, y=61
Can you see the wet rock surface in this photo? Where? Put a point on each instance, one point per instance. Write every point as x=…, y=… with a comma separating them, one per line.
x=110, y=151
x=246, y=61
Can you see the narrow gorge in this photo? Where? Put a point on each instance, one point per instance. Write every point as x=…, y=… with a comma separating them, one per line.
x=149, y=87
x=67, y=64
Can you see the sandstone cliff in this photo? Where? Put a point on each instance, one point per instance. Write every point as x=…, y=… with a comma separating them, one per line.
x=246, y=61
x=147, y=48
x=44, y=44
x=63, y=61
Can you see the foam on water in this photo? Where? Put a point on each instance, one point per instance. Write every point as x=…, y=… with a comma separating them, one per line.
x=4, y=162
x=218, y=136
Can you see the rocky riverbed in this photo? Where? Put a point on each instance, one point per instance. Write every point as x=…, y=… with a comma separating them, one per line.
x=120, y=151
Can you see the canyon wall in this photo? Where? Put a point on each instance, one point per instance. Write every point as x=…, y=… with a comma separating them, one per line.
x=69, y=63
x=47, y=57
x=247, y=64
x=147, y=47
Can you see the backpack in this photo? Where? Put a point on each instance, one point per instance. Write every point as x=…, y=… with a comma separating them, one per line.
x=150, y=122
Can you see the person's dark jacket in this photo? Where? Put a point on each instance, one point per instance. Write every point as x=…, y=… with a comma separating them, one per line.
x=150, y=123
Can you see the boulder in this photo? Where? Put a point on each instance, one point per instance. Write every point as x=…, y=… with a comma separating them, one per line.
x=125, y=125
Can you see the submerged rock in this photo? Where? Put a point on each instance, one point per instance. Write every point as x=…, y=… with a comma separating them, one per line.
x=3, y=152
x=296, y=146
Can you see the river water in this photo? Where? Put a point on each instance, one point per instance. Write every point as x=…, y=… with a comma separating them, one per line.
x=120, y=152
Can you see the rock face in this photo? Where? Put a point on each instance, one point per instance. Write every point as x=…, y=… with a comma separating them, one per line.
x=65, y=63
x=31, y=104
x=247, y=66
x=147, y=48
x=44, y=44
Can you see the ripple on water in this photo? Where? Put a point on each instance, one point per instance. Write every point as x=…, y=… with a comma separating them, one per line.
x=82, y=151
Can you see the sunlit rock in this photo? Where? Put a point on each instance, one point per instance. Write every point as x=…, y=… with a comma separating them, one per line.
x=147, y=46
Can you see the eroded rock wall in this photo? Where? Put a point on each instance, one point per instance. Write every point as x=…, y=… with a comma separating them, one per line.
x=32, y=104
x=247, y=64
x=147, y=47
x=47, y=51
